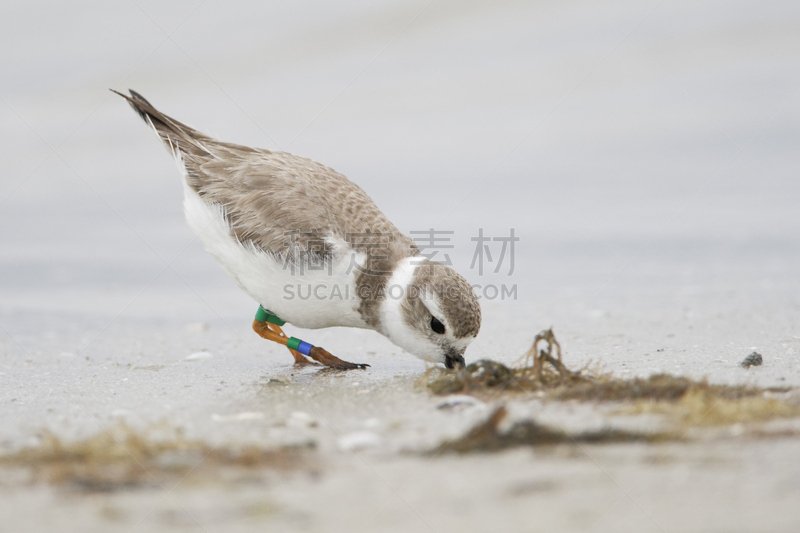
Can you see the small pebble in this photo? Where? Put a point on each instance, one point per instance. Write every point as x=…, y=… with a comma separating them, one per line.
x=199, y=355
x=458, y=400
x=372, y=423
x=359, y=440
x=754, y=359
x=247, y=415
x=301, y=419
x=736, y=430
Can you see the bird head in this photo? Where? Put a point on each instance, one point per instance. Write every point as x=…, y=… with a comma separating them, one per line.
x=431, y=311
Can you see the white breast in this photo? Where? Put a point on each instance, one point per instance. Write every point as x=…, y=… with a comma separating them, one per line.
x=308, y=299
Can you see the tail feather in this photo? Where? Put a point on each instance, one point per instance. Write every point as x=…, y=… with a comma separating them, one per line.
x=179, y=138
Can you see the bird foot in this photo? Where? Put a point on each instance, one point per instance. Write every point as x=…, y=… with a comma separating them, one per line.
x=274, y=333
x=302, y=360
x=326, y=358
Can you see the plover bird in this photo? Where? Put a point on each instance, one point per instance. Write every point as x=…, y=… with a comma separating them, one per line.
x=312, y=249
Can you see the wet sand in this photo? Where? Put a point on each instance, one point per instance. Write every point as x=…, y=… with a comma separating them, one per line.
x=647, y=161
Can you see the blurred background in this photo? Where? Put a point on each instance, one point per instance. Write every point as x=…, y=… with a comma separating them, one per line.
x=646, y=154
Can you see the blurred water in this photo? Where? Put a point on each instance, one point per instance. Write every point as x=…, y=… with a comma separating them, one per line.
x=635, y=147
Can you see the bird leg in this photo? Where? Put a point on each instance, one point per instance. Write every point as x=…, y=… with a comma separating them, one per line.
x=268, y=326
x=326, y=358
x=273, y=332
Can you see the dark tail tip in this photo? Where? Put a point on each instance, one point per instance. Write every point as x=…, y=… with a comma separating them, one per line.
x=138, y=96
x=134, y=96
x=170, y=130
x=136, y=100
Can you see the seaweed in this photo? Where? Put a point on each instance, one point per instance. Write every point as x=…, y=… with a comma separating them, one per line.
x=122, y=458
x=542, y=371
x=488, y=437
x=707, y=405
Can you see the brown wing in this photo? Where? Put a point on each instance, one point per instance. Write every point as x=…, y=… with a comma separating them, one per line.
x=274, y=199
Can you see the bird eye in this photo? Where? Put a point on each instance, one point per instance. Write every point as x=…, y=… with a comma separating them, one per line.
x=436, y=325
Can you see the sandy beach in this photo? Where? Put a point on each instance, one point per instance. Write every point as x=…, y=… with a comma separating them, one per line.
x=645, y=155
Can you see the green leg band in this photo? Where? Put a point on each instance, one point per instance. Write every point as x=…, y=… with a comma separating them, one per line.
x=293, y=343
x=262, y=315
x=300, y=346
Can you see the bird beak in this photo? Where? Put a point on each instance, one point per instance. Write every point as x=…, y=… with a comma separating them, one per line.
x=454, y=361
